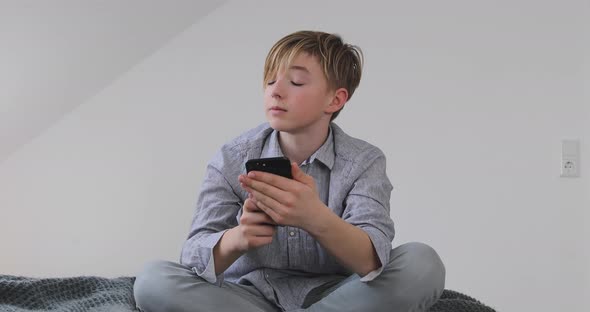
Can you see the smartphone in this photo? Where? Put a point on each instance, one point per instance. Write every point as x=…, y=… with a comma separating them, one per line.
x=276, y=165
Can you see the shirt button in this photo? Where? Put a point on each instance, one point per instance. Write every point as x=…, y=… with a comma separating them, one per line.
x=292, y=233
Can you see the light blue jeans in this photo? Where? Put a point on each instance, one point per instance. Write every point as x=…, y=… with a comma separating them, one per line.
x=413, y=280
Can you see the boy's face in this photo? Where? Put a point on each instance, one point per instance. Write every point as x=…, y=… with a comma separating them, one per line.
x=298, y=98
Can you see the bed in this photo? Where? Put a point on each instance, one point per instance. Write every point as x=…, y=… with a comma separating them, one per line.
x=91, y=293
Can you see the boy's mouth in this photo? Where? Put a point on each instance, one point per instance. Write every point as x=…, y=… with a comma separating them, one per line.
x=277, y=108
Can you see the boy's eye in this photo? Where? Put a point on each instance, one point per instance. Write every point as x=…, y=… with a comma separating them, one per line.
x=270, y=83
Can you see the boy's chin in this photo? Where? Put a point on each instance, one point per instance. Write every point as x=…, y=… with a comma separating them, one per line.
x=279, y=125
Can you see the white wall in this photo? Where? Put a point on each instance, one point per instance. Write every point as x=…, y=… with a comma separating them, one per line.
x=586, y=146
x=56, y=54
x=468, y=100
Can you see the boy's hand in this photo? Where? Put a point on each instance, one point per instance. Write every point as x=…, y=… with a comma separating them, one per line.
x=294, y=202
x=255, y=229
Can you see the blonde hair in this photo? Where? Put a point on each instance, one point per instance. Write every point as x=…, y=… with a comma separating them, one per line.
x=341, y=63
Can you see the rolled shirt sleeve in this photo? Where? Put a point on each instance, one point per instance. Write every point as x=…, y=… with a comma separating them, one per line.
x=367, y=207
x=216, y=211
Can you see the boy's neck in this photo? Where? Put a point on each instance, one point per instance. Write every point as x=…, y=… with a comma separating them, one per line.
x=301, y=145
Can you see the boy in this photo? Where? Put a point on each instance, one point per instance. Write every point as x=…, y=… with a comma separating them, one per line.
x=318, y=242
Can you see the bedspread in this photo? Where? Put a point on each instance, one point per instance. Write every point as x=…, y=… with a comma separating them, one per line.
x=91, y=293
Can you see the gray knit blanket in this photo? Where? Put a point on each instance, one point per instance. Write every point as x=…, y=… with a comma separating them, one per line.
x=88, y=293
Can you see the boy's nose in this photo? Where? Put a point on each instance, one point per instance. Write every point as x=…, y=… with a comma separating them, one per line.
x=275, y=95
x=276, y=90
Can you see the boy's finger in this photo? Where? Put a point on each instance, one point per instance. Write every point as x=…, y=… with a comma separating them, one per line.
x=265, y=220
x=299, y=175
x=277, y=181
x=249, y=205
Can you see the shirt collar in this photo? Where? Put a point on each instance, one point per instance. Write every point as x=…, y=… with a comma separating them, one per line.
x=324, y=154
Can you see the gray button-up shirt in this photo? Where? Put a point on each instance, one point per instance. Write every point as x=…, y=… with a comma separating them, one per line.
x=351, y=180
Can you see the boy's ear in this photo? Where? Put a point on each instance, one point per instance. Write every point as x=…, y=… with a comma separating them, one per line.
x=340, y=98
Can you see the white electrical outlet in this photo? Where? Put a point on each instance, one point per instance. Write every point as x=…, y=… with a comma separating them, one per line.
x=570, y=158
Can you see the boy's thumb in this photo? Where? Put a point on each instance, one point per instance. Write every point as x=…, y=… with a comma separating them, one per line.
x=297, y=173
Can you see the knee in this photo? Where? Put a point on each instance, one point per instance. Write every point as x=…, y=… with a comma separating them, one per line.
x=422, y=265
x=152, y=285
